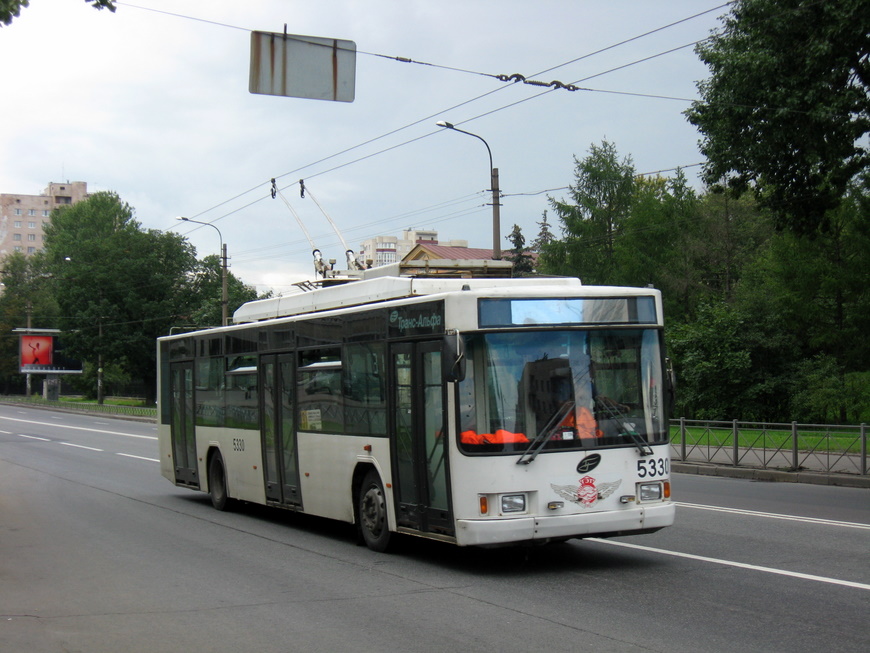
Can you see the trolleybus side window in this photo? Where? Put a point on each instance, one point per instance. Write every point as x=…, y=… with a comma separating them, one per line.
x=365, y=408
x=319, y=394
x=242, y=398
x=210, y=384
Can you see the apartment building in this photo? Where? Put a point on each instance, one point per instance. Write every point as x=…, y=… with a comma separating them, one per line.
x=22, y=216
x=383, y=250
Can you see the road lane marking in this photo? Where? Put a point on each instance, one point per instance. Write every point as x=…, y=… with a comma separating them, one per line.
x=79, y=446
x=732, y=563
x=773, y=515
x=80, y=428
x=129, y=455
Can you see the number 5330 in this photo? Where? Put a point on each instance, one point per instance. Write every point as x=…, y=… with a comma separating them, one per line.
x=652, y=467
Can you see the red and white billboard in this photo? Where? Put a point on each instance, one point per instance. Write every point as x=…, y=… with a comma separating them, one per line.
x=40, y=354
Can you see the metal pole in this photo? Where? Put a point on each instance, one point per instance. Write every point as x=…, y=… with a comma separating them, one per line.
x=223, y=256
x=795, y=465
x=496, y=214
x=100, y=366
x=224, y=297
x=735, y=433
x=496, y=217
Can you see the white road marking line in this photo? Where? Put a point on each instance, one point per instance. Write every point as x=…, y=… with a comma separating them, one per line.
x=128, y=455
x=731, y=563
x=79, y=446
x=773, y=515
x=81, y=428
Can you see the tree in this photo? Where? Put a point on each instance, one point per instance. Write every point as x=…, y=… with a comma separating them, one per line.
x=205, y=293
x=811, y=292
x=786, y=109
x=10, y=9
x=519, y=255
x=545, y=236
x=118, y=286
x=26, y=300
x=713, y=364
x=650, y=247
x=601, y=201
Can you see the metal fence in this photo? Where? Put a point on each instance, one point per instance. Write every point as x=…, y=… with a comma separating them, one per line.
x=792, y=447
x=80, y=407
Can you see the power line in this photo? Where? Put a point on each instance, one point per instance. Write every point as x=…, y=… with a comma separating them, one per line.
x=440, y=112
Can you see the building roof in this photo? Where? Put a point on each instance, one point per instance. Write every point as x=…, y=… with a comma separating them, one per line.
x=425, y=251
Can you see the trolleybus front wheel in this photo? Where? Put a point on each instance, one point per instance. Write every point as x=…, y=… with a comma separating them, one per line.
x=217, y=483
x=373, y=513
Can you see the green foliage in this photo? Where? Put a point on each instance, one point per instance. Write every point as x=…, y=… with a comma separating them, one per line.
x=522, y=260
x=600, y=202
x=10, y=9
x=713, y=364
x=204, y=299
x=118, y=286
x=545, y=236
x=26, y=298
x=761, y=324
x=786, y=110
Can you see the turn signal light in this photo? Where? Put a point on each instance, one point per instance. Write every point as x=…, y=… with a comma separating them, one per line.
x=667, y=489
x=484, y=506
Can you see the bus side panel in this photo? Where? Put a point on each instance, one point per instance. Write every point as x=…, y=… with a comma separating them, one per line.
x=326, y=466
x=243, y=460
x=164, y=444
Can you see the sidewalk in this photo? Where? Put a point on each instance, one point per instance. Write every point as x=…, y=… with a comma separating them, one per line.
x=757, y=474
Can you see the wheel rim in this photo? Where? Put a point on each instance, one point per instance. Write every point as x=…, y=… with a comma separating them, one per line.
x=373, y=511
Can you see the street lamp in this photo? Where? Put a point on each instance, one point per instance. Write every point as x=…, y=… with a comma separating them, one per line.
x=496, y=236
x=223, y=250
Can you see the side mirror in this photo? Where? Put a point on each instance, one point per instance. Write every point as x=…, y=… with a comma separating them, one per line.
x=454, y=358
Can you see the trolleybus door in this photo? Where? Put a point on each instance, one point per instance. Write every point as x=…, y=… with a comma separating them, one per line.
x=277, y=430
x=182, y=423
x=419, y=447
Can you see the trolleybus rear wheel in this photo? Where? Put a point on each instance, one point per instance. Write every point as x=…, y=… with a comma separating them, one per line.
x=373, y=513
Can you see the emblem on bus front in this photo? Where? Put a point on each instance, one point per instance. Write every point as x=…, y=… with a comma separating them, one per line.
x=588, y=463
x=587, y=492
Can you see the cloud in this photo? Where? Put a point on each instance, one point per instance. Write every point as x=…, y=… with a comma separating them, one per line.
x=156, y=108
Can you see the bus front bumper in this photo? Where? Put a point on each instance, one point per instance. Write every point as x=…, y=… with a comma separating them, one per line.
x=496, y=531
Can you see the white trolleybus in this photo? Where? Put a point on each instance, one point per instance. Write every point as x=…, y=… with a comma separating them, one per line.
x=446, y=401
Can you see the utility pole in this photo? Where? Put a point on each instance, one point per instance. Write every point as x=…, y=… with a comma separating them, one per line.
x=224, y=297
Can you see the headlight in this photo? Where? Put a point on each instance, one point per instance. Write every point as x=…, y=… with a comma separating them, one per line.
x=513, y=503
x=649, y=491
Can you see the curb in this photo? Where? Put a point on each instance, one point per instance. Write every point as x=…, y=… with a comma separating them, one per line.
x=771, y=475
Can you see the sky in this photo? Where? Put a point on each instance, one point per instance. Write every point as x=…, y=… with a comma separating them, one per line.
x=152, y=102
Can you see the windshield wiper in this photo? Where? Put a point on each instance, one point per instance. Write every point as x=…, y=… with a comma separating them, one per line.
x=541, y=438
x=611, y=410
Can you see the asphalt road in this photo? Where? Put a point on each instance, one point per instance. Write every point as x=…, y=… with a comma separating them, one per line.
x=99, y=553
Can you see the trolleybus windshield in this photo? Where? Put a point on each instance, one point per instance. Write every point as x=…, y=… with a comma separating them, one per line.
x=562, y=389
